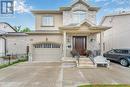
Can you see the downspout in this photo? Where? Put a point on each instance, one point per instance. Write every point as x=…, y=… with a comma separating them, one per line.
x=5, y=42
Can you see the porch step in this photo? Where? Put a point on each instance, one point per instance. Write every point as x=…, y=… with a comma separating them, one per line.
x=68, y=64
x=85, y=63
x=68, y=59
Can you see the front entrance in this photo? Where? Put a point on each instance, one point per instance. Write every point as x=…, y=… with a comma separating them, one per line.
x=79, y=44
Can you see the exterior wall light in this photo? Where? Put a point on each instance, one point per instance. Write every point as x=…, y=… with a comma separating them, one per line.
x=92, y=40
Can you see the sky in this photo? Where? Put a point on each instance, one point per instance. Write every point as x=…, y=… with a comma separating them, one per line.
x=23, y=17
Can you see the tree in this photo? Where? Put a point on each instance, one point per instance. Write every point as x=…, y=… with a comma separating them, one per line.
x=26, y=30
x=20, y=29
x=17, y=28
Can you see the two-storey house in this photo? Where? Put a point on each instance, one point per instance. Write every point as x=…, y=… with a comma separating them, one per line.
x=58, y=32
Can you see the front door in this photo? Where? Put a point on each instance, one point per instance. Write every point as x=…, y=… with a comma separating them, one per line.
x=79, y=44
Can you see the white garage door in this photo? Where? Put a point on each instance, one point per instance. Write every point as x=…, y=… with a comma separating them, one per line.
x=47, y=52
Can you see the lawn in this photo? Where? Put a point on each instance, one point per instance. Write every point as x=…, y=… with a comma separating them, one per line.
x=15, y=62
x=105, y=86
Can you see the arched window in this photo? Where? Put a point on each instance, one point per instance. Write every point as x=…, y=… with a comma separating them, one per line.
x=79, y=16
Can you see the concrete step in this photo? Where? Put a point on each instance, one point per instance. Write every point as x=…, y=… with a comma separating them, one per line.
x=88, y=66
x=68, y=59
x=85, y=63
x=68, y=65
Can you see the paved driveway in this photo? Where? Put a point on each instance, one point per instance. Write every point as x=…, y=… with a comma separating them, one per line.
x=60, y=75
x=30, y=75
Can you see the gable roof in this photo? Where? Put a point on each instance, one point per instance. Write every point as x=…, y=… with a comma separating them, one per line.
x=90, y=7
x=80, y=1
x=46, y=11
x=8, y=25
x=88, y=22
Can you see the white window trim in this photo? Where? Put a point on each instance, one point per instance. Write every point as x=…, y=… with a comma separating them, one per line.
x=47, y=25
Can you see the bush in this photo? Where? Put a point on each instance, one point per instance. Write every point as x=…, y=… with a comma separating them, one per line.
x=12, y=63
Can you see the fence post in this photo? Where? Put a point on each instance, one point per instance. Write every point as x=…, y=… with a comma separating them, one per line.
x=27, y=52
x=9, y=58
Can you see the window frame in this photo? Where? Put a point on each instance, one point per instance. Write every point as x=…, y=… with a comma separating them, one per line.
x=47, y=25
x=47, y=45
x=79, y=14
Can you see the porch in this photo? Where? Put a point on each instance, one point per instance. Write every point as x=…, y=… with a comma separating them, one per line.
x=82, y=37
x=82, y=41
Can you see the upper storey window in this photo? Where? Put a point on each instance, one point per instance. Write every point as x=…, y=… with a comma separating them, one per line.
x=79, y=16
x=48, y=21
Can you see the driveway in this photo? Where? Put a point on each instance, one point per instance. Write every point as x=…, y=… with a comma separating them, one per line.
x=41, y=74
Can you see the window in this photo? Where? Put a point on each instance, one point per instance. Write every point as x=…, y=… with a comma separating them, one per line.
x=79, y=16
x=47, y=45
x=125, y=51
x=48, y=21
x=121, y=51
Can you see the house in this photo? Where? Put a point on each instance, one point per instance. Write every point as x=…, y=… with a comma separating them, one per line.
x=58, y=32
x=4, y=29
x=11, y=41
x=118, y=36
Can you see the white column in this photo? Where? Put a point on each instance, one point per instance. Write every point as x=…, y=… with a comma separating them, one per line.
x=31, y=48
x=64, y=44
x=101, y=42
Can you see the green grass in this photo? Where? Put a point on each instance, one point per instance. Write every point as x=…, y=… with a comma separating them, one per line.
x=105, y=86
x=6, y=65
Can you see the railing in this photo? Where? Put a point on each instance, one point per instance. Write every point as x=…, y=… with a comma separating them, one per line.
x=94, y=54
x=77, y=59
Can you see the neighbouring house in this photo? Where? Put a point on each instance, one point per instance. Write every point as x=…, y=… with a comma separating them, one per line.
x=4, y=29
x=118, y=36
x=11, y=41
x=58, y=32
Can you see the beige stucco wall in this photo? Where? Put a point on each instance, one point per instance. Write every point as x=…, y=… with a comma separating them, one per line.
x=32, y=39
x=118, y=35
x=57, y=21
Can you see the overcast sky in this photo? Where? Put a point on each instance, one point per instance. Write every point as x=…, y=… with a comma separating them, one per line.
x=24, y=17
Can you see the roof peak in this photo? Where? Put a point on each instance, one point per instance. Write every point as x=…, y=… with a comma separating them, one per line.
x=82, y=1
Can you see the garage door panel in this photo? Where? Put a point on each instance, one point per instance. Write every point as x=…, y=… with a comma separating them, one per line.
x=47, y=54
